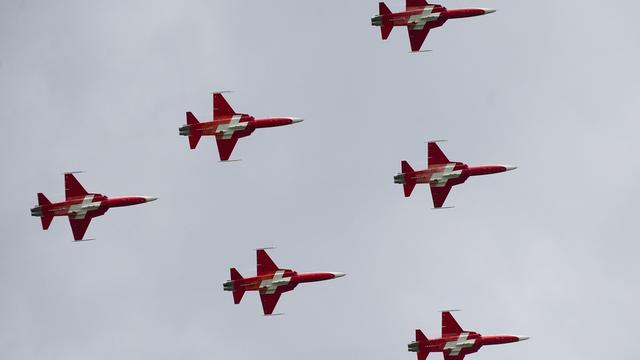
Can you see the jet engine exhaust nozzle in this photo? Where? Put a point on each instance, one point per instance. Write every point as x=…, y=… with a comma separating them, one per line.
x=398, y=179
x=228, y=286
x=184, y=130
x=413, y=347
x=36, y=211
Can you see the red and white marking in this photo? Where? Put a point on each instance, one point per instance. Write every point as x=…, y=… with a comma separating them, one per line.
x=79, y=211
x=272, y=284
x=461, y=343
x=418, y=21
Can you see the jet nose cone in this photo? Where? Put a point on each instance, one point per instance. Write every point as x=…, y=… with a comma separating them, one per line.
x=149, y=198
x=296, y=120
x=510, y=167
x=523, y=338
x=338, y=274
x=488, y=11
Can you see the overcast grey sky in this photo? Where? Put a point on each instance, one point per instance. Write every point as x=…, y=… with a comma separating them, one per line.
x=549, y=250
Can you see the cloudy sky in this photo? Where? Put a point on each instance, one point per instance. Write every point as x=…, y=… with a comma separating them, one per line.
x=549, y=250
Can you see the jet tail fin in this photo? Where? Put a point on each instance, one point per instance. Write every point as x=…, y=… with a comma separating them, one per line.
x=45, y=218
x=421, y=338
x=193, y=139
x=237, y=293
x=409, y=181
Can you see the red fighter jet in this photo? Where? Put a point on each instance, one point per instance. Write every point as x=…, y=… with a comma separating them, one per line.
x=227, y=126
x=441, y=174
x=455, y=343
x=271, y=281
x=419, y=18
x=80, y=206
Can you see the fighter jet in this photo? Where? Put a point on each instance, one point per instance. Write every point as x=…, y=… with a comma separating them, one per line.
x=455, y=343
x=271, y=281
x=80, y=206
x=420, y=17
x=441, y=174
x=227, y=126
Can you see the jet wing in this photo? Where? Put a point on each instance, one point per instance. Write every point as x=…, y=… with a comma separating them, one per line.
x=435, y=156
x=439, y=195
x=417, y=36
x=264, y=263
x=269, y=302
x=450, y=326
x=225, y=147
x=221, y=107
x=416, y=3
x=72, y=187
x=453, y=357
x=79, y=226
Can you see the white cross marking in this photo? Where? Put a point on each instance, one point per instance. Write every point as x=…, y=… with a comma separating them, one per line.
x=234, y=125
x=272, y=284
x=459, y=344
x=420, y=20
x=440, y=178
x=80, y=210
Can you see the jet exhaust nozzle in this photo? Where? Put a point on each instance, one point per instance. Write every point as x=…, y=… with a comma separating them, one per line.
x=413, y=347
x=376, y=20
x=184, y=130
x=36, y=211
x=228, y=286
x=398, y=179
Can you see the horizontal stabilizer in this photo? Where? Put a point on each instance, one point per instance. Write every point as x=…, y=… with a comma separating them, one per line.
x=384, y=9
x=237, y=293
x=193, y=138
x=385, y=30
x=235, y=275
x=191, y=119
x=409, y=181
x=46, y=221
x=422, y=341
x=237, y=296
x=42, y=200
x=193, y=141
x=420, y=336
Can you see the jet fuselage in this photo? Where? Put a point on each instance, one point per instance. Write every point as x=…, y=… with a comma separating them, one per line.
x=452, y=173
x=282, y=281
x=91, y=204
x=431, y=16
x=462, y=344
x=234, y=127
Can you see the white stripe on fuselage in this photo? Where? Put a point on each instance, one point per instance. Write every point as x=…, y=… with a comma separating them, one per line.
x=234, y=125
x=418, y=21
x=272, y=284
x=459, y=344
x=440, y=178
x=78, y=211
